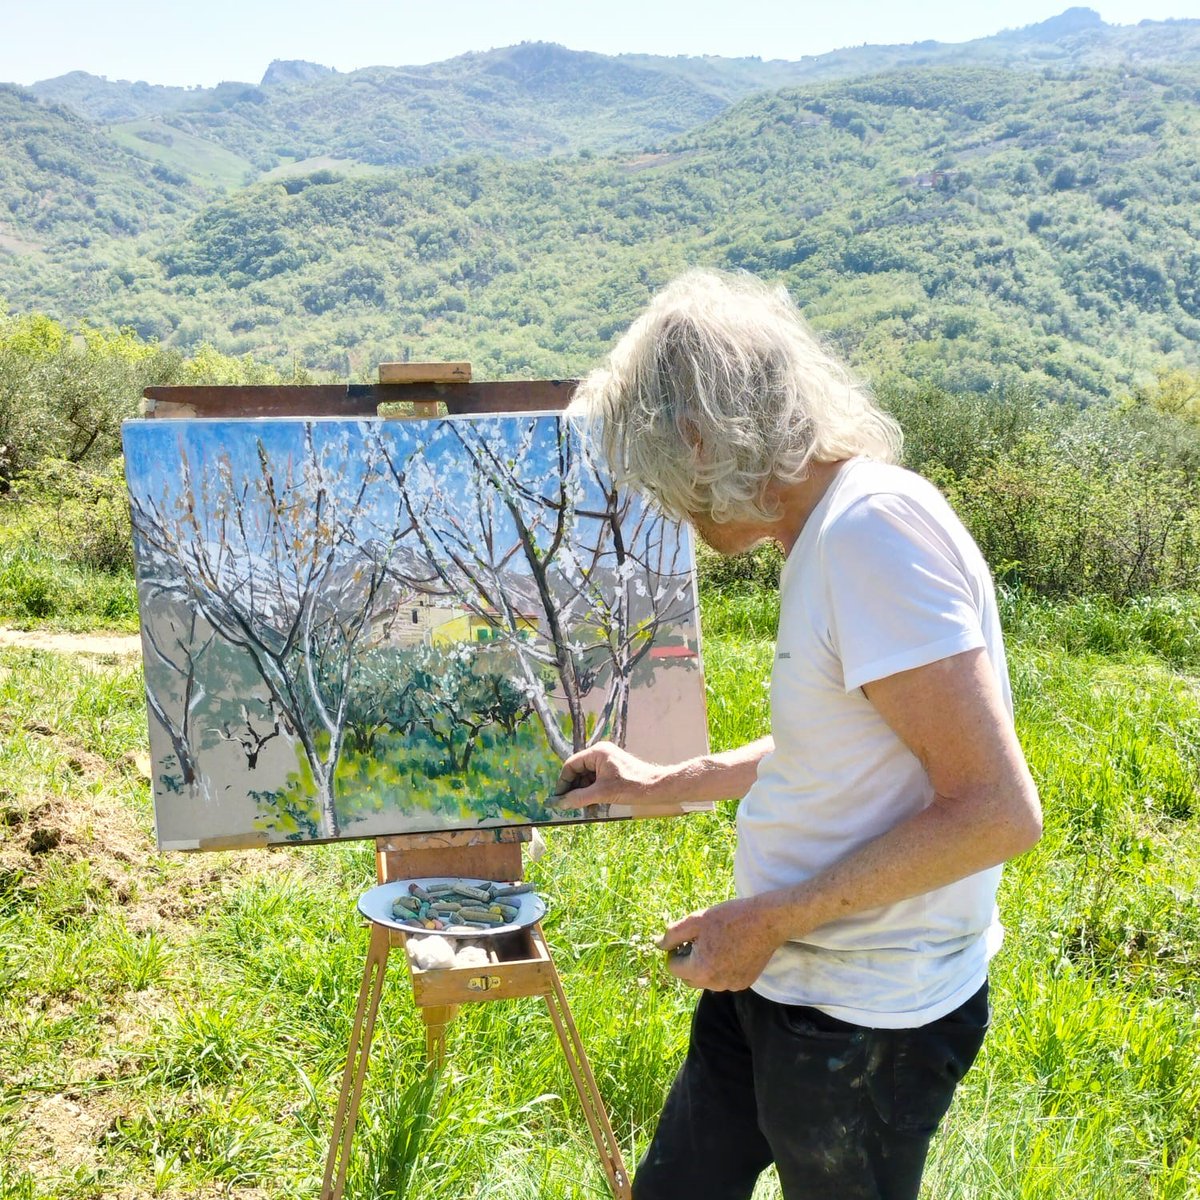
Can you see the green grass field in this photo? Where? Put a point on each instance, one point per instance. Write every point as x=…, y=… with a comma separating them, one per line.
x=175, y=1025
x=195, y=157
x=299, y=167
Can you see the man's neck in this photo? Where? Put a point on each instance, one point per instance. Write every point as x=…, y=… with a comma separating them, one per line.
x=798, y=500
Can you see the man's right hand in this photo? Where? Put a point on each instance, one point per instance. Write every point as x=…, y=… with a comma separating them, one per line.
x=606, y=774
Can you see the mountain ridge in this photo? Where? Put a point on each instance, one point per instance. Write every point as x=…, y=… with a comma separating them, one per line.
x=729, y=78
x=972, y=226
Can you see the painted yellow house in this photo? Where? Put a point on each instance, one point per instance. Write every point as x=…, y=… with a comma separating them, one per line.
x=472, y=627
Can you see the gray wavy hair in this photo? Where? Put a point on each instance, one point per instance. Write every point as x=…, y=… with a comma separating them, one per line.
x=718, y=390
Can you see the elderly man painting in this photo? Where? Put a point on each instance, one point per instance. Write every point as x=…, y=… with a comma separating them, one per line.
x=845, y=988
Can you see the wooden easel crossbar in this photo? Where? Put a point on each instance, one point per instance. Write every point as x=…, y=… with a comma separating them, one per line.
x=525, y=966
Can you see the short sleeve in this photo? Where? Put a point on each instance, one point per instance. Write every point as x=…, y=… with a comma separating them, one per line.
x=899, y=593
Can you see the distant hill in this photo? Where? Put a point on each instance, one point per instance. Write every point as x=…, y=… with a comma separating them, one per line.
x=971, y=226
x=539, y=99
x=61, y=176
x=98, y=99
x=289, y=72
x=531, y=100
x=968, y=227
x=1077, y=39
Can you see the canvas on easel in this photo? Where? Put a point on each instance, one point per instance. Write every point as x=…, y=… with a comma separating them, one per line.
x=364, y=627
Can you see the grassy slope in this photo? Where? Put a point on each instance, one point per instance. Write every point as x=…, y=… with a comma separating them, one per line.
x=198, y=158
x=174, y=1025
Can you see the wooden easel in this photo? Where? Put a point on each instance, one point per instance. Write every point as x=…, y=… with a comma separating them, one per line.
x=525, y=966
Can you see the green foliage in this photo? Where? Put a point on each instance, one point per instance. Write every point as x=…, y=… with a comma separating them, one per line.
x=64, y=393
x=86, y=514
x=36, y=586
x=1061, y=525
x=437, y=729
x=65, y=544
x=223, y=1074
x=526, y=100
x=753, y=572
x=203, y=1044
x=953, y=434
x=63, y=182
x=921, y=218
x=1175, y=393
x=1166, y=627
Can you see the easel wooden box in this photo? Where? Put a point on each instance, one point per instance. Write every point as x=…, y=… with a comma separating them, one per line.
x=419, y=390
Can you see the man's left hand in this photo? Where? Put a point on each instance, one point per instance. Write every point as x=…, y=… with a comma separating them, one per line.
x=730, y=944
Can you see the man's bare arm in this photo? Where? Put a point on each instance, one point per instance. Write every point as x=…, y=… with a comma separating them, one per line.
x=606, y=774
x=985, y=810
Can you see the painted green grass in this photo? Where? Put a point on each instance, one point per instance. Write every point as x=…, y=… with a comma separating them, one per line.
x=174, y=1025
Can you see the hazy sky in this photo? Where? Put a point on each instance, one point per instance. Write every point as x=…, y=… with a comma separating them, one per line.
x=185, y=42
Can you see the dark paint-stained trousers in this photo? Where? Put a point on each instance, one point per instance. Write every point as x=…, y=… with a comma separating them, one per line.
x=844, y=1112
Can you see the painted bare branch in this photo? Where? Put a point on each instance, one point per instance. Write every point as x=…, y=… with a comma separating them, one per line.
x=250, y=739
x=176, y=649
x=571, y=573
x=279, y=560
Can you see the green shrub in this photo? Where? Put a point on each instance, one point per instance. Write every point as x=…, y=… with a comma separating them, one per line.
x=756, y=569
x=35, y=585
x=1058, y=528
x=29, y=589
x=1166, y=626
x=84, y=513
x=64, y=393
x=956, y=433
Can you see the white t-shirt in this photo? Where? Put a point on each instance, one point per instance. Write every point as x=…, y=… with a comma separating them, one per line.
x=883, y=578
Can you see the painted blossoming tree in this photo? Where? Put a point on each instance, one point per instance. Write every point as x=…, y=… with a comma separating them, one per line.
x=600, y=572
x=276, y=560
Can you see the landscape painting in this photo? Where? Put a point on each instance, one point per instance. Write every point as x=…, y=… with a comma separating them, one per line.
x=354, y=628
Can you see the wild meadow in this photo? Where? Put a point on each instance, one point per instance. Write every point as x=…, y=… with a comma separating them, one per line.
x=175, y=1025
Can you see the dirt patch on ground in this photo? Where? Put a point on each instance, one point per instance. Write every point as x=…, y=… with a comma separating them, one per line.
x=45, y=828
x=103, y=822
x=87, y=818
x=118, y=645
x=114, y=835
x=153, y=890
x=62, y=1135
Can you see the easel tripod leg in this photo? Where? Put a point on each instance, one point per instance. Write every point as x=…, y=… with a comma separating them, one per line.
x=437, y=1018
x=589, y=1094
x=357, y=1056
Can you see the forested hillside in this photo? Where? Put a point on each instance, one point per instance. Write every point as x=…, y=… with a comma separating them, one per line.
x=530, y=100
x=64, y=182
x=970, y=227
x=536, y=99
x=967, y=227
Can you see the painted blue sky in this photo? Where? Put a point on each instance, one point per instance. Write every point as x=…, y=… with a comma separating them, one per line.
x=155, y=451
x=189, y=44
